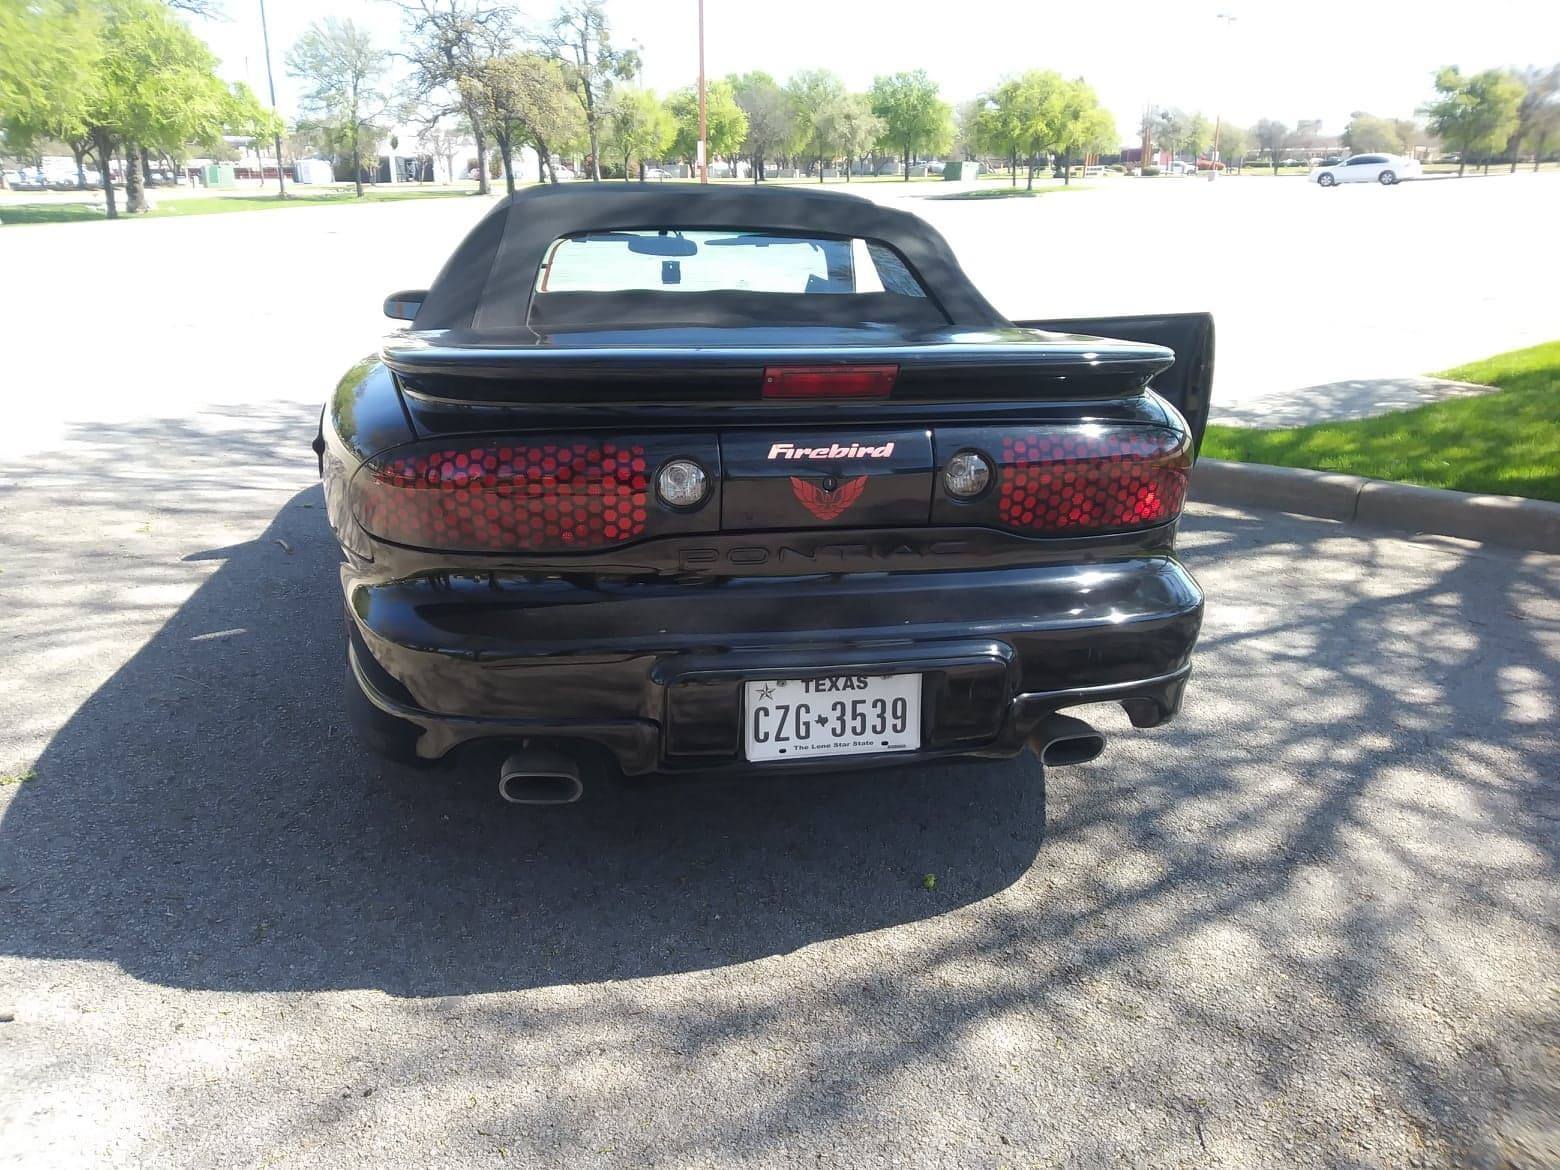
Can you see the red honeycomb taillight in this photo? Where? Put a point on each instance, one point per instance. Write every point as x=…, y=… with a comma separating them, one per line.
x=1083, y=480
x=520, y=496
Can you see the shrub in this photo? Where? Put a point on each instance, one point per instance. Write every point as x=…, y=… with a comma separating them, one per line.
x=1150, y=171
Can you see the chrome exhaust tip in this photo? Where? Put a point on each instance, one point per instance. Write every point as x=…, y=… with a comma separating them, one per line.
x=1060, y=740
x=539, y=776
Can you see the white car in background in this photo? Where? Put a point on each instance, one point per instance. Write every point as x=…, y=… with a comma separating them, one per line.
x=1385, y=169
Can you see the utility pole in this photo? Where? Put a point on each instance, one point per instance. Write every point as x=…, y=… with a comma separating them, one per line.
x=270, y=78
x=704, y=164
x=1227, y=19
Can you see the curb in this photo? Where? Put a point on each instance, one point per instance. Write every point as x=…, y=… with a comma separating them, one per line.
x=1354, y=499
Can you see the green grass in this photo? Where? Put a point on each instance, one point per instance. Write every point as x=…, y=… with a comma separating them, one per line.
x=1013, y=192
x=29, y=213
x=1506, y=442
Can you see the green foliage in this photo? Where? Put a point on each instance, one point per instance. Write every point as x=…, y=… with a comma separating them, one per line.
x=49, y=56
x=1272, y=136
x=581, y=37
x=1039, y=112
x=770, y=123
x=1507, y=442
x=638, y=127
x=915, y=119
x=1477, y=114
x=1232, y=142
x=1367, y=134
x=1538, y=114
x=1086, y=126
x=523, y=98
x=814, y=94
x=726, y=126
x=852, y=127
x=244, y=115
x=343, y=71
x=1179, y=132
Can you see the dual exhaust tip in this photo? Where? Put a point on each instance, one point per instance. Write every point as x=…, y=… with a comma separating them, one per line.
x=545, y=776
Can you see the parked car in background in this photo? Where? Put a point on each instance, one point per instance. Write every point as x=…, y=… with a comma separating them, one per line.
x=1385, y=169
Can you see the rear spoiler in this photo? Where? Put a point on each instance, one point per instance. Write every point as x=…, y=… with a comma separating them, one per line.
x=1189, y=383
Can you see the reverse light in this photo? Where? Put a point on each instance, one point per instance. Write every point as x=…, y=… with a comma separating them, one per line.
x=829, y=381
x=682, y=483
x=967, y=475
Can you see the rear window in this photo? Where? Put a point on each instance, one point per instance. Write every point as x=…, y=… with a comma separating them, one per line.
x=698, y=261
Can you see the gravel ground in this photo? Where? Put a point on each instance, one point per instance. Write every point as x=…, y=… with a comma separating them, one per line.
x=1312, y=923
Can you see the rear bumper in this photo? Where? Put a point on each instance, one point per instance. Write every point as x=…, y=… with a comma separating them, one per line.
x=653, y=671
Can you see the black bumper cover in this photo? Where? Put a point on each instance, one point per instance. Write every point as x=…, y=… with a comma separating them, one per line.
x=652, y=671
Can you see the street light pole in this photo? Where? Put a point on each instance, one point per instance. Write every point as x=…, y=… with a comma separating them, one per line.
x=270, y=78
x=704, y=165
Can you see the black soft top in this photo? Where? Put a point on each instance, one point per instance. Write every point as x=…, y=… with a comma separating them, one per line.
x=485, y=293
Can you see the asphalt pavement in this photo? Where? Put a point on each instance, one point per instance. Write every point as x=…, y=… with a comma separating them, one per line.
x=1328, y=303
x=1310, y=923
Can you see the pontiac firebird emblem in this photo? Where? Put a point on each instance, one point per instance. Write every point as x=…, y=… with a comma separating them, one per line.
x=825, y=504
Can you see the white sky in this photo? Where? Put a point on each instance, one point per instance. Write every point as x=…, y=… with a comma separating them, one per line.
x=1287, y=59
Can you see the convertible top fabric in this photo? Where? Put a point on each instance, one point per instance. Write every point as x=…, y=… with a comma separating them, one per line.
x=487, y=289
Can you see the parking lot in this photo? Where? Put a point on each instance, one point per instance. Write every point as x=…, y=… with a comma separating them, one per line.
x=1311, y=923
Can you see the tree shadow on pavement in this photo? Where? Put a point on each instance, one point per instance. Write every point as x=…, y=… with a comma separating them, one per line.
x=1315, y=912
x=1341, y=401
x=207, y=820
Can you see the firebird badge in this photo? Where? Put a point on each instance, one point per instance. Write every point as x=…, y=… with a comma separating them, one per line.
x=824, y=503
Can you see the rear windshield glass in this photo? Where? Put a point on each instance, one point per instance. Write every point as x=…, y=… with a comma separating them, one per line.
x=677, y=260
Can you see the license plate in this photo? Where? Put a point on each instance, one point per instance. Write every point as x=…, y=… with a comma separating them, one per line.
x=845, y=715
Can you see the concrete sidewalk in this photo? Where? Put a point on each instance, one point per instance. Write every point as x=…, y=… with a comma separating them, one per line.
x=1341, y=401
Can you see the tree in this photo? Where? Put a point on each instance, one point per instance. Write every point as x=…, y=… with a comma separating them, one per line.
x=855, y=129
x=523, y=98
x=581, y=37
x=49, y=55
x=449, y=42
x=1034, y=112
x=770, y=125
x=245, y=117
x=442, y=140
x=1084, y=125
x=814, y=94
x=1231, y=143
x=997, y=130
x=966, y=128
x=1272, y=136
x=154, y=84
x=915, y=119
x=1367, y=134
x=1474, y=114
x=638, y=126
x=725, y=124
x=1538, y=113
x=344, y=71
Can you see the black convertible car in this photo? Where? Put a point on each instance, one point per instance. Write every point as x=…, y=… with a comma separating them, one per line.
x=713, y=478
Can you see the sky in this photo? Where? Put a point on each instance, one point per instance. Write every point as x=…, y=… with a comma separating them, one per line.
x=1284, y=59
